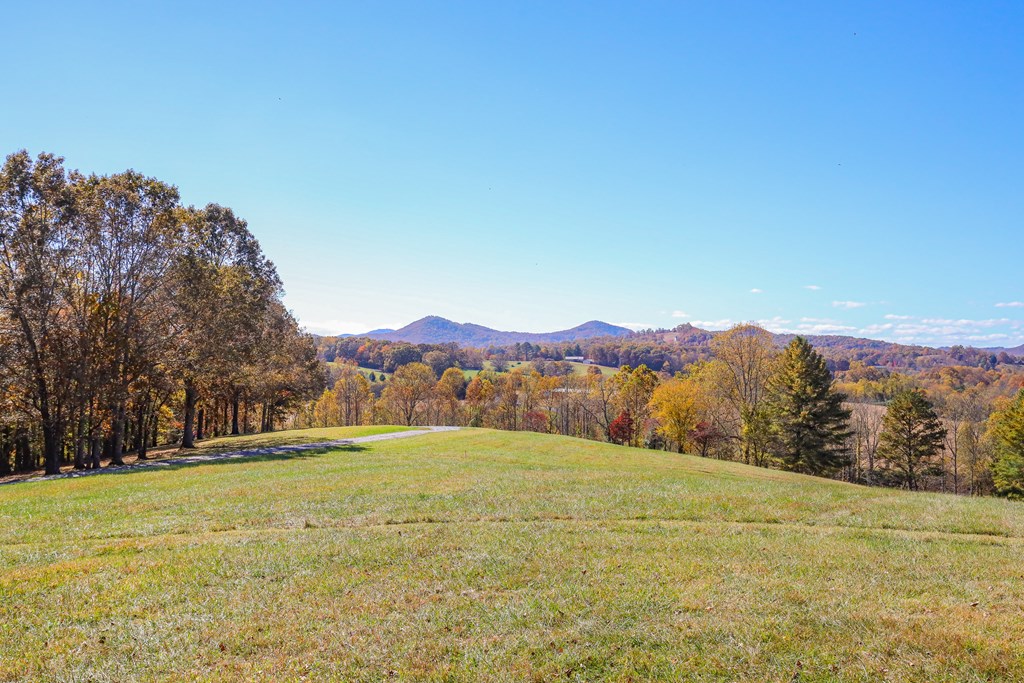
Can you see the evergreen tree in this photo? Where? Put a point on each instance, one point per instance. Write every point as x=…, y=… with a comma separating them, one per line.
x=809, y=422
x=911, y=436
x=1008, y=433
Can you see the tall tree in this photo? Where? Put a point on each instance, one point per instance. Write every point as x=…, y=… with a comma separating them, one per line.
x=633, y=388
x=676, y=405
x=224, y=292
x=1008, y=435
x=911, y=436
x=809, y=421
x=353, y=395
x=748, y=356
x=37, y=239
x=408, y=391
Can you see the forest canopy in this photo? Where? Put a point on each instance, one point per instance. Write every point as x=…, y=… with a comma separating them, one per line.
x=127, y=318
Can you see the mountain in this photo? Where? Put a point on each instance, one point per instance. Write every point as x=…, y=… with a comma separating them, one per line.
x=1015, y=351
x=437, y=330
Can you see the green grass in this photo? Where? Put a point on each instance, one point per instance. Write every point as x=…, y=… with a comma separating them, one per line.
x=480, y=555
x=578, y=368
x=365, y=372
x=291, y=437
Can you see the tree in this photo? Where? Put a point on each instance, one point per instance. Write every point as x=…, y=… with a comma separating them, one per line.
x=1008, y=436
x=633, y=388
x=353, y=395
x=36, y=241
x=867, y=427
x=407, y=392
x=675, y=404
x=911, y=436
x=748, y=355
x=809, y=422
x=705, y=437
x=621, y=429
x=448, y=393
x=224, y=296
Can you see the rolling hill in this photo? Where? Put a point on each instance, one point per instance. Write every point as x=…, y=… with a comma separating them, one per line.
x=436, y=330
x=499, y=556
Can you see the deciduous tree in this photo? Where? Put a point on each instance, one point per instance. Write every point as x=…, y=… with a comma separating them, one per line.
x=1008, y=436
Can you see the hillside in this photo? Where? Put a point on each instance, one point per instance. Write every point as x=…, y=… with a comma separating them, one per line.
x=437, y=330
x=498, y=556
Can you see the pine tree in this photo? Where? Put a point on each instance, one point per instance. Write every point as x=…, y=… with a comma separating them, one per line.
x=809, y=422
x=1008, y=433
x=911, y=436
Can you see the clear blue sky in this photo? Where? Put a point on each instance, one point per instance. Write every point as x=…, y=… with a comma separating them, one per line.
x=822, y=167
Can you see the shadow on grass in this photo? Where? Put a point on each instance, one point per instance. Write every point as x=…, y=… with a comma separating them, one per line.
x=194, y=459
x=230, y=458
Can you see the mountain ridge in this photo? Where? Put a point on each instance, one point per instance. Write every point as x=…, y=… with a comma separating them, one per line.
x=434, y=329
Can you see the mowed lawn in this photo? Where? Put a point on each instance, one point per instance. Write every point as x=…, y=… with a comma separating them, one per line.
x=491, y=556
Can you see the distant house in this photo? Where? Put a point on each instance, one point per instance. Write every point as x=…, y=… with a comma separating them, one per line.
x=576, y=359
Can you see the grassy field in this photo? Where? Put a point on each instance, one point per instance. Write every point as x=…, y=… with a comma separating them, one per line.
x=578, y=368
x=365, y=372
x=292, y=437
x=493, y=556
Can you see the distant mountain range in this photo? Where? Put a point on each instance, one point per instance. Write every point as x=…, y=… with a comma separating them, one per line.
x=436, y=330
x=1015, y=351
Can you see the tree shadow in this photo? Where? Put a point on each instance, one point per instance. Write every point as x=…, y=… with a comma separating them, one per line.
x=276, y=453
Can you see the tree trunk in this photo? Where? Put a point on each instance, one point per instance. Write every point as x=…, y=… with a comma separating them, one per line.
x=187, y=438
x=97, y=452
x=141, y=437
x=200, y=423
x=23, y=451
x=154, y=425
x=5, y=451
x=234, y=414
x=81, y=440
x=51, y=446
x=117, y=437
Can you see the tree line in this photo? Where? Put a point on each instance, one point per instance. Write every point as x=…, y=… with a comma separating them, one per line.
x=128, y=319
x=749, y=401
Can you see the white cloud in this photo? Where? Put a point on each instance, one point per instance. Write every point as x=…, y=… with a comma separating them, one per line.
x=1010, y=304
x=335, y=327
x=823, y=328
x=813, y=288
x=892, y=316
x=755, y=290
x=776, y=324
x=680, y=314
x=963, y=322
x=722, y=324
x=848, y=304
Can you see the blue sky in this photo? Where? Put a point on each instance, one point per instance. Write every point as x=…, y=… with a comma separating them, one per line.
x=854, y=168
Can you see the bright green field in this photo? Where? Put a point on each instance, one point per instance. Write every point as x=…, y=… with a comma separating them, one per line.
x=494, y=556
x=578, y=368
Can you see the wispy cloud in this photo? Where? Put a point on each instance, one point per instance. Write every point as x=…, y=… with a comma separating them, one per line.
x=907, y=329
x=1010, y=304
x=849, y=304
x=680, y=314
x=775, y=322
x=806, y=326
x=636, y=326
x=755, y=290
x=813, y=288
x=332, y=327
